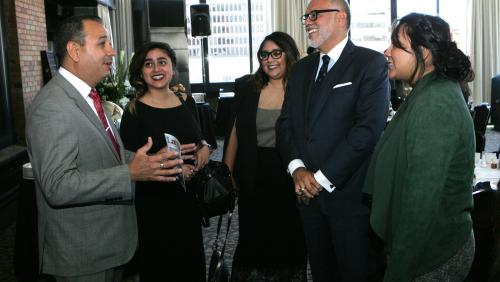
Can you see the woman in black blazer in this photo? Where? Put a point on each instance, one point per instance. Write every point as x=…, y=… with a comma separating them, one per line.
x=271, y=243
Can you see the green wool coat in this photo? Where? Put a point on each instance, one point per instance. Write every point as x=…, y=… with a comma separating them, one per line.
x=420, y=178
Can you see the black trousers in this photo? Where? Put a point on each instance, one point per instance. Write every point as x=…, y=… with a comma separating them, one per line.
x=340, y=248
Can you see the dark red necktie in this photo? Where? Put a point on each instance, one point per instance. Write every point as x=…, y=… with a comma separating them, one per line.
x=100, y=112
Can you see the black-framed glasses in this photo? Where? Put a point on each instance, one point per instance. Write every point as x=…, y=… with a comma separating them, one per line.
x=275, y=54
x=313, y=15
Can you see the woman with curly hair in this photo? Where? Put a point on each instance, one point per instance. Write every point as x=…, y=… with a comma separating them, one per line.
x=420, y=175
x=169, y=221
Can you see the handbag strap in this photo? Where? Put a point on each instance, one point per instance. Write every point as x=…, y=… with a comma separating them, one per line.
x=179, y=95
x=192, y=114
x=219, y=226
x=229, y=217
x=216, y=245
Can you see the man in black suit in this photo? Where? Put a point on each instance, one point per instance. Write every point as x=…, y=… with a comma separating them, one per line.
x=334, y=112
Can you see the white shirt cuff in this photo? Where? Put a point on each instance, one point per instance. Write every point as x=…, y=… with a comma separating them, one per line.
x=323, y=181
x=294, y=164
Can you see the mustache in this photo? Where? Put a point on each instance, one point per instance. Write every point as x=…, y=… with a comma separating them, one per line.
x=311, y=26
x=107, y=60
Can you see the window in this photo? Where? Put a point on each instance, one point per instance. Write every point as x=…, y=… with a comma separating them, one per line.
x=229, y=47
x=371, y=23
x=455, y=12
x=6, y=130
x=422, y=6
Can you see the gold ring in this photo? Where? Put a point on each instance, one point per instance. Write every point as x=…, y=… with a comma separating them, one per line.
x=301, y=190
x=162, y=165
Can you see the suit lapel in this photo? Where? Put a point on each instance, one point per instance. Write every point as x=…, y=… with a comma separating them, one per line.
x=80, y=102
x=332, y=77
x=309, y=83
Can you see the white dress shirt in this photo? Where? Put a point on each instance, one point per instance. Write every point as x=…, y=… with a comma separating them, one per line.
x=83, y=88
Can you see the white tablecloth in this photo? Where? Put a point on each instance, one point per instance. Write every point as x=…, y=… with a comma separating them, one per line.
x=487, y=174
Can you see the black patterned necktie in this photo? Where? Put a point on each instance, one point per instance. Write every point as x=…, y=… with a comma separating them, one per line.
x=323, y=70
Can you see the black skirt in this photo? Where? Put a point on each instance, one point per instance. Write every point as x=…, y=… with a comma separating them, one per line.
x=170, y=236
x=271, y=244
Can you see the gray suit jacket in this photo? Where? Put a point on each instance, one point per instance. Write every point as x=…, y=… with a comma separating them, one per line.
x=86, y=218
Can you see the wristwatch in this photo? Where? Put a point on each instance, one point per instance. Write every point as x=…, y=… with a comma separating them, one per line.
x=203, y=143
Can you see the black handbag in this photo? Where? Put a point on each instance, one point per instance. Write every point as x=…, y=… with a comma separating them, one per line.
x=217, y=270
x=212, y=186
x=214, y=190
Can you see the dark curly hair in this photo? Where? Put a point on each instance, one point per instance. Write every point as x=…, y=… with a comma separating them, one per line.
x=135, y=69
x=287, y=44
x=433, y=33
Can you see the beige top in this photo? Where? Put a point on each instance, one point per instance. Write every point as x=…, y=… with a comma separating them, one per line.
x=265, y=124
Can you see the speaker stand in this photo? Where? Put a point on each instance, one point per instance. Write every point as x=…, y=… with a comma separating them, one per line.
x=204, y=63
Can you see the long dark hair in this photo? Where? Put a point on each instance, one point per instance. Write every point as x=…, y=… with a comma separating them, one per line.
x=433, y=33
x=135, y=69
x=287, y=44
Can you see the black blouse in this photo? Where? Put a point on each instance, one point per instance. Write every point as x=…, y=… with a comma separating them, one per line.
x=180, y=121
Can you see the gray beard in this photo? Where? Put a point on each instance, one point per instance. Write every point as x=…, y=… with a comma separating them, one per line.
x=311, y=43
x=322, y=37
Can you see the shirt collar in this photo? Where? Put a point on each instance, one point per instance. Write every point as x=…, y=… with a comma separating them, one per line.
x=82, y=87
x=335, y=52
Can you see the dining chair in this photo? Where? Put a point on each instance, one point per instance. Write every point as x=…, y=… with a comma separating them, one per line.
x=481, y=115
x=495, y=102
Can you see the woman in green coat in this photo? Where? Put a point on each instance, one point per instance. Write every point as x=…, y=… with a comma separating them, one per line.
x=420, y=175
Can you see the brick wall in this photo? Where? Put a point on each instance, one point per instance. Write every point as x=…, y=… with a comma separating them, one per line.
x=32, y=36
x=26, y=37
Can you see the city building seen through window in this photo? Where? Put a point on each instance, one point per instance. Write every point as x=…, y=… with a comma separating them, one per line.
x=229, y=44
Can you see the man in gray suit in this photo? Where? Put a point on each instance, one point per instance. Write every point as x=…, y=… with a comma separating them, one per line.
x=83, y=177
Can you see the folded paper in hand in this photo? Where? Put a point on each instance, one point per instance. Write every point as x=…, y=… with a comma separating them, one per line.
x=173, y=144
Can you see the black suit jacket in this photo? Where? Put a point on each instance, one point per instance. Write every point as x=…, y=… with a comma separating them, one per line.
x=338, y=134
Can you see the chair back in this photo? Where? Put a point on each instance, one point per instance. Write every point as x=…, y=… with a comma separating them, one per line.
x=481, y=115
x=495, y=102
x=396, y=101
x=222, y=118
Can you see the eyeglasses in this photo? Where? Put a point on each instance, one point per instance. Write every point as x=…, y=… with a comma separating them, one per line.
x=313, y=15
x=275, y=54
